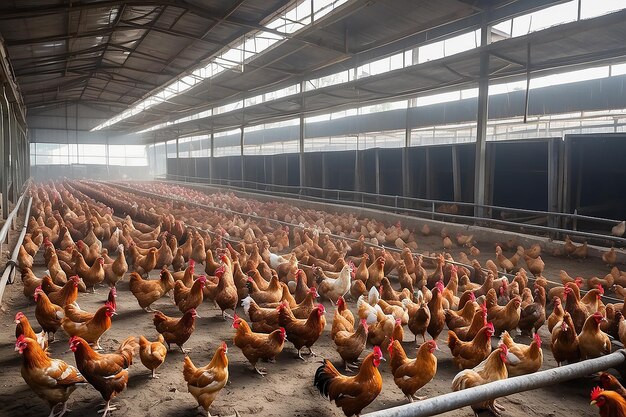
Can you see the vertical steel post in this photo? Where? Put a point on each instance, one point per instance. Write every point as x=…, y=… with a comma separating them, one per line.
x=481, y=125
x=301, y=139
x=456, y=172
x=241, y=156
x=6, y=130
x=212, y=158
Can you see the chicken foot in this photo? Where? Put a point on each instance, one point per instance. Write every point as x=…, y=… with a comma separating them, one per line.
x=261, y=372
x=60, y=413
x=107, y=408
x=148, y=309
x=154, y=374
x=225, y=315
x=184, y=350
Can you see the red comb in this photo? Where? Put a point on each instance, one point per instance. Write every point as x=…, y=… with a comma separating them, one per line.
x=595, y=393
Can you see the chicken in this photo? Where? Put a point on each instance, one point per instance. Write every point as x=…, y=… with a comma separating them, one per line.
x=176, y=331
x=469, y=354
x=116, y=271
x=144, y=264
x=610, y=257
x=30, y=282
x=255, y=346
x=419, y=317
x=609, y=382
x=302, y=333
x=350, y=344
x=503, y=261
x=411, y=375
x=437, y=314
x=463, y=317
x=610, y=403
x=206, y=382
x=490, y=370
x=272, y=294
x=343, y=318
x=74, y=312
x=619, y=229
x=23, y=327
x=263, y=320
x=226, y=295
x=148, y=291
x=505, y=317
x=107, y=373
x=94, y=275
x=467, y=333
x=351, y=393
x=91, y=330
x=533, y=315
x=66, y=294
x=375, y=273
x=556, y=315
x=530, y=356
x=48, y=315
x=564, y=341
x=535, y=265
x=332, y=289
x=188, y=298
x=592, y=341
x=577, y=310
x=24, y=260
x=52, y=380
x=152, y=354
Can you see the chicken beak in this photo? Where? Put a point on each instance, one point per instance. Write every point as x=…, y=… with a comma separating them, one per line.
x=383, y=359
x=593, y=402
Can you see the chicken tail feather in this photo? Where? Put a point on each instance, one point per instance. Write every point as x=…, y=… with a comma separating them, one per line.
x=324, y=377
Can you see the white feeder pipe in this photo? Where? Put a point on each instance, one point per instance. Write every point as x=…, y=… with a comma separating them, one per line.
x=497, y=389
x=9, y=271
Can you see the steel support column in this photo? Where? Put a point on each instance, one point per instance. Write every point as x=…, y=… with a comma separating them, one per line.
x=212, y=157
x=456, y=173
x=481, y=126
x=6, y=140
x=241, y=155
x=406, y=179
x=301, y=140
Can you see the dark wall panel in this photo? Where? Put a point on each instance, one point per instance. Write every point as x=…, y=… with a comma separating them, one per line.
x=596, y=172
x=340, y=170
x=521, y=174
x=390, y=161
x=441, y=181
x=367, y=170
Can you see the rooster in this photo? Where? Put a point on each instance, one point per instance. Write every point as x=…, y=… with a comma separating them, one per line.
x=255, y=346
x=206, y=382
x=51, y=379
x=491, y=369
x=610, y=403
x=351, y=393
x=107, y=373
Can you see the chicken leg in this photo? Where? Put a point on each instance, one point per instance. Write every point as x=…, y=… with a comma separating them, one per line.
x=154, y=374
x=260, y=371
x=63, y=410
x=107, y=408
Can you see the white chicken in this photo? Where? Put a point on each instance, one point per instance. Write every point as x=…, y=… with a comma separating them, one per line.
x=332, y=288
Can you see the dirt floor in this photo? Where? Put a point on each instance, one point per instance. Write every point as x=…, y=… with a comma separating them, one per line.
x=288, y=388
